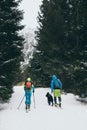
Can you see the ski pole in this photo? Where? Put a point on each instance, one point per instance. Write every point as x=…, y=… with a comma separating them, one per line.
x=21, y=102
x=34, y=100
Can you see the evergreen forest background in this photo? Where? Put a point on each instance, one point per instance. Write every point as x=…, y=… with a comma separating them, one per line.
x=61, y=47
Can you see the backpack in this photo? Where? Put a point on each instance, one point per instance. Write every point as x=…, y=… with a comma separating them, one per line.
x=28, y=85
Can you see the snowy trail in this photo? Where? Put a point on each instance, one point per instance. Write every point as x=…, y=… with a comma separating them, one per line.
x=73, y=116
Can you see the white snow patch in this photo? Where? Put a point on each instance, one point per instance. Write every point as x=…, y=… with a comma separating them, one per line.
x=43, y=117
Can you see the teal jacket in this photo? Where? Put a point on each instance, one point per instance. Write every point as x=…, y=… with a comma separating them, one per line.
x=55, y=83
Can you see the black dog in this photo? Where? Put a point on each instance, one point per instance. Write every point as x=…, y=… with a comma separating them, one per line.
x=49, y=98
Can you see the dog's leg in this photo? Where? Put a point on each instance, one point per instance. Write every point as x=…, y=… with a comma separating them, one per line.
x=49, y=102
x=55, y=100
x=52, y=103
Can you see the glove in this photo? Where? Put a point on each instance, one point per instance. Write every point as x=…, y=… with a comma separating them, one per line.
x=51, y=91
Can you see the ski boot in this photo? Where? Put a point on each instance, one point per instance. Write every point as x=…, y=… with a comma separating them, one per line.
x=27, y=108
x=60, y=105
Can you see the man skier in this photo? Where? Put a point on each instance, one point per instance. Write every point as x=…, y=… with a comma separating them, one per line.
x=56, y=87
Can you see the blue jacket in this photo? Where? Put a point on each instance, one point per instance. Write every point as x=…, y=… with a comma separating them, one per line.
x=55, y=83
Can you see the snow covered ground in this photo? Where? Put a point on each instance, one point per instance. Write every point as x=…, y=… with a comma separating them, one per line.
x=73, y=116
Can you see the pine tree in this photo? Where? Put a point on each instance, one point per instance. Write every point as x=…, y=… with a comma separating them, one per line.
x=11, y=44
x=75, y=29
x=49, y=38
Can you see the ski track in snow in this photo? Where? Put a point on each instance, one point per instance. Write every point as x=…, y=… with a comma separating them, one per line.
x=73, y=116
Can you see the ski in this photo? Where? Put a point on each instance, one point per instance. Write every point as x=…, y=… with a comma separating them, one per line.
x=57, y=106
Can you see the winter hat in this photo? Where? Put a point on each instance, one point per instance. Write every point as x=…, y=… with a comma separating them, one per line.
x=54, y=77
x=28, y=79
